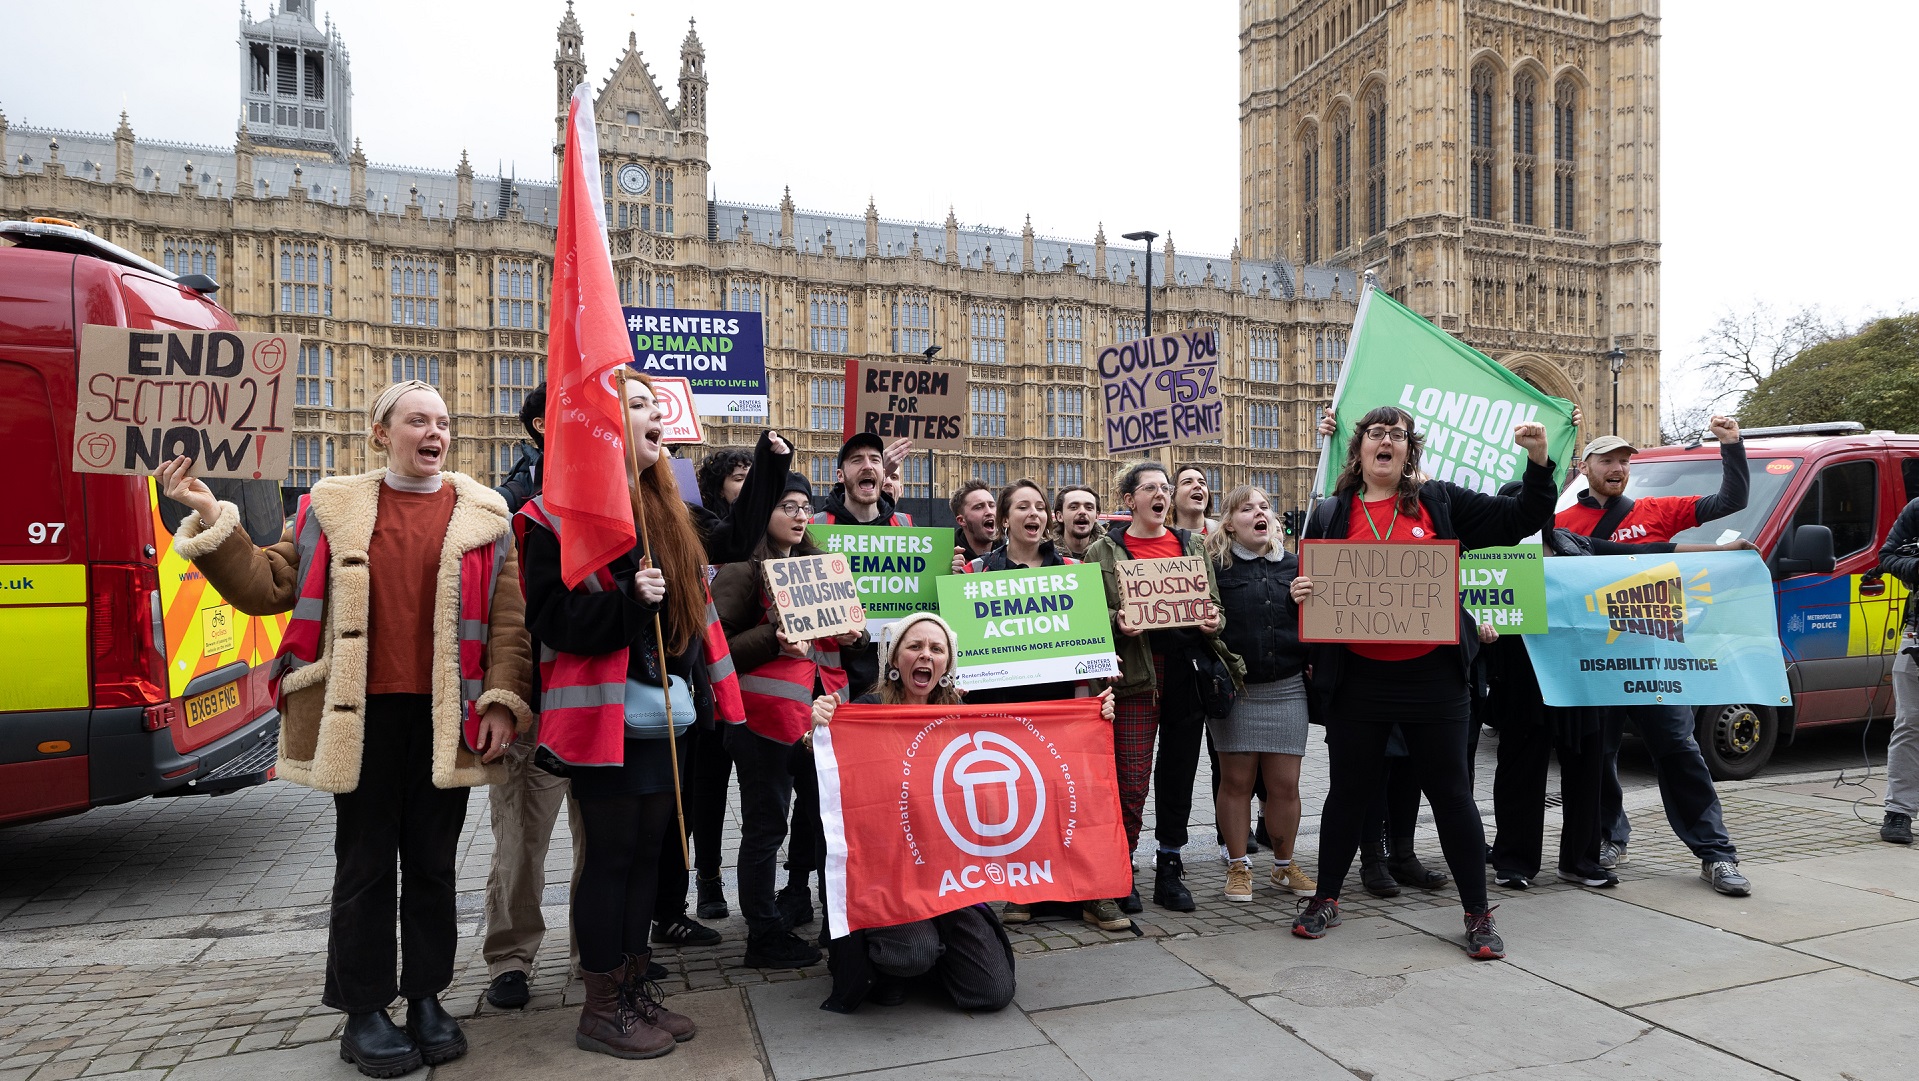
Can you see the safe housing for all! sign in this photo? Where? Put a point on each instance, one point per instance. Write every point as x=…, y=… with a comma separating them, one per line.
x=814, y=596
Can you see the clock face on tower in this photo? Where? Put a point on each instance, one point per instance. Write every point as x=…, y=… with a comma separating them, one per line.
x=634, y=179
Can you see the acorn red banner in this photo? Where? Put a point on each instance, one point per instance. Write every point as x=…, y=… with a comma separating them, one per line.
x=932, y=808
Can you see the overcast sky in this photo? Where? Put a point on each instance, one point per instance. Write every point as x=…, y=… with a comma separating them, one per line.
x=1787, y=151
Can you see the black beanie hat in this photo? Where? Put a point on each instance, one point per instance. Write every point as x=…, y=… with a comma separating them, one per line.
x=797, y=483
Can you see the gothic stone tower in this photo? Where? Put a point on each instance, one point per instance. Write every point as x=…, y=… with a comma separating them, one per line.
x=296, y=91
x=1495, y=160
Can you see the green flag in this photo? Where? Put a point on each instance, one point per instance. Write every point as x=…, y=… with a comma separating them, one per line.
x=1465, y=402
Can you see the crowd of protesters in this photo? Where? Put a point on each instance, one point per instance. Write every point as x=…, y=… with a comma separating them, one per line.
x=434, y=646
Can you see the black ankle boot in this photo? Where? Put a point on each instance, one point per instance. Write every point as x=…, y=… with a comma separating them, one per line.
x=1168, y=890
x=1372, y=869
x=434, y=1030
x=1406, y=869
x=712, y=899
x=795, y=903
x=377, y=1047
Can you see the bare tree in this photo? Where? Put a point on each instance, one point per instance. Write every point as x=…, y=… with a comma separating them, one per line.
x=1679, y=423
x=1743, y=348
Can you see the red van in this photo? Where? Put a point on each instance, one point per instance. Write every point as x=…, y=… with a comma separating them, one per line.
x=123, y=673
x=1823, y=498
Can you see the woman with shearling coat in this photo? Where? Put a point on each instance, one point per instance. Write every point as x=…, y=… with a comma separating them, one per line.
x=403, y=675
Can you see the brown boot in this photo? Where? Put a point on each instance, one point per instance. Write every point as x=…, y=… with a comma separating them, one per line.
x=611, y=1026
x=645, y=997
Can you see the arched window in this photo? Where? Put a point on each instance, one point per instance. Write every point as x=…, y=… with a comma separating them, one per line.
x=1342, y=179
x=1309, y=196
x=1525, y=149
x=1565, y=159
x=1375, y=111
x=1482, y=141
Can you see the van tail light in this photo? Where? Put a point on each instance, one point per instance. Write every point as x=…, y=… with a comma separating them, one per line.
x=129, y=659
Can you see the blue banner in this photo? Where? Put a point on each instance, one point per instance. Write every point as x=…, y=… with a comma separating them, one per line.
x=723, y=354
x=1681, y=629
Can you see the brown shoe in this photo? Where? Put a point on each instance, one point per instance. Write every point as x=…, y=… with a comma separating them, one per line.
x=645, y=997
x=611, y=1026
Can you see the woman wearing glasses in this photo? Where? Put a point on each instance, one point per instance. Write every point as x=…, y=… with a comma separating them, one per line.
x=1366, y=689
x=779, y=678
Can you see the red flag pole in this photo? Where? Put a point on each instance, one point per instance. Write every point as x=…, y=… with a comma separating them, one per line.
x=659, y=638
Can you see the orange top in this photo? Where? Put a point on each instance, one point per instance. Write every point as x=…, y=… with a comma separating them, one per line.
x=403, y=561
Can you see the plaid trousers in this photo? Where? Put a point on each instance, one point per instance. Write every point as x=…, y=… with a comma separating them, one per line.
x=1135, y=724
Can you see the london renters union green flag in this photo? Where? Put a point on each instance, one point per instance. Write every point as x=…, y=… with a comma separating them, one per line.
x=1466, y=403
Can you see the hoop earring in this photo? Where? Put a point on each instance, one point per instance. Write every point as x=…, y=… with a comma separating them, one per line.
x=893, y=674
x=946, y=680
x=1409, y=469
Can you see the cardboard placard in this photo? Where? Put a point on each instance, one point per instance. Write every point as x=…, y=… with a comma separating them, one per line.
x=814, y=596
x=1162, y=391
x=220, y=397
x=1159, y=594
x=1039, y=625
x=1373, y=592
x=907, y=399
x=1505, y=588
x=679, y=421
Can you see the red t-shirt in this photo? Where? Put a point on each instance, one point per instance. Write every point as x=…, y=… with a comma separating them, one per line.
x=1164, y=546
x=1378, y=521
x=1650, y=521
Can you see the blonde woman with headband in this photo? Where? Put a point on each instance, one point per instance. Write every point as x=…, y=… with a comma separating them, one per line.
x=396, y=706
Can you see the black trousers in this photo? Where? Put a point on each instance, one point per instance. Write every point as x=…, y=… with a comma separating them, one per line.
x=1519, y=801
x=1685, y=782
x=807, y=843
x=1182, y=730
x=613, y=902
x=395, y=814
x=1356, y=757
x=672, y=875
x=708, y=776
x=769, y=781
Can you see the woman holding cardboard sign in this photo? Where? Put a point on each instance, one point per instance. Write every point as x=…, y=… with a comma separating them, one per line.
x=1364, y=690
x=779, y=678
x=395, y=707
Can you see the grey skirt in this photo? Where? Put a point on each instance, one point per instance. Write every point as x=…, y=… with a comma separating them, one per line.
x=1268, y=718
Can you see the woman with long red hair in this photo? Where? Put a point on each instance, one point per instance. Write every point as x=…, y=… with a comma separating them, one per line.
x=623, y=783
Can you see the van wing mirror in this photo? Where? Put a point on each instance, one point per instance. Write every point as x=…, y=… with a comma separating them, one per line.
x=1810, y=552
x=199, y=283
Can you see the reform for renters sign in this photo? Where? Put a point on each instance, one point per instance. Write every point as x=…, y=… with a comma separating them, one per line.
x=722, y=354
x=1373, y=592
x=907, y=399
x=1041, y=625
x=1688, y=628
x=1161, y=391
x=895, y=569
x=221, y=398
x=1505, y=588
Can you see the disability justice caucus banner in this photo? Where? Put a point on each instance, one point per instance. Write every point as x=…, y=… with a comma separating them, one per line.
x=927, y=809
x=1466, y=404
x=1041, y=625
x=1682, y=629
x=895, y=568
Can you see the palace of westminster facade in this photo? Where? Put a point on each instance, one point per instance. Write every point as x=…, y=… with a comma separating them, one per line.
x=1494, y=161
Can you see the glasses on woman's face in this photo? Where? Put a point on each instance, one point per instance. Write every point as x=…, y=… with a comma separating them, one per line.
x=1380, y=435
x=794, y=510
x=1153, y=489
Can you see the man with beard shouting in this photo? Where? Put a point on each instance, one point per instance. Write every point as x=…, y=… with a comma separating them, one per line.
x=1076, y=513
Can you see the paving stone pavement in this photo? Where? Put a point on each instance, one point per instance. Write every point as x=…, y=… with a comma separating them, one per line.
x=186, y=938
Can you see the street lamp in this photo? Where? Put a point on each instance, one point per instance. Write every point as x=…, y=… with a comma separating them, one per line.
x=1148, y=236
x=1617, y=361
x=929, y=353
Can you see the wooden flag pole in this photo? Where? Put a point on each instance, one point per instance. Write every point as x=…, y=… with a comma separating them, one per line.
x=659, y=637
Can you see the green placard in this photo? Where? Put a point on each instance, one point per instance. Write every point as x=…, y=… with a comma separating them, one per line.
x=1029, y=626
x=894, y=568
x=1505, y=588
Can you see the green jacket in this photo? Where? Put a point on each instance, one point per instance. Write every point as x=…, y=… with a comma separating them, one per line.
x=1135, y=656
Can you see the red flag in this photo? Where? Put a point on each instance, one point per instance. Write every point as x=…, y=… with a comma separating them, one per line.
x=932, y=808
x=585, y=465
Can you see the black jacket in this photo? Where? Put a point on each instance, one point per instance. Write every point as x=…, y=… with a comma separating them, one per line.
x=732, y=537
x=524, y=481
x=998, y=560
x=1262, y=623
x=861, y=662
x=1899, y=556
x=1474, y=519
x=834, y=512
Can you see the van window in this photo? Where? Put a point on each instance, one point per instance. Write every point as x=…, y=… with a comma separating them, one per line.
x=1844, y=499
x=1909, y=473
x=261, y=514
x=35, y=524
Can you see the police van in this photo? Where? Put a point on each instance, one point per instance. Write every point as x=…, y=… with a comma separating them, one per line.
x=123, y=672
x=1823, y=497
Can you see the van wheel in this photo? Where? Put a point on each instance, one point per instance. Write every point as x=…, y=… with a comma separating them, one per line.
x=1736, y=740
